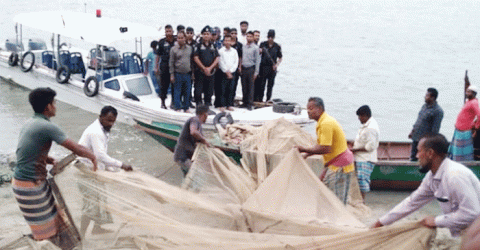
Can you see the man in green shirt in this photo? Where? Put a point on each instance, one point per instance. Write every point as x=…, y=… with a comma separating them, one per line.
x=29, y=183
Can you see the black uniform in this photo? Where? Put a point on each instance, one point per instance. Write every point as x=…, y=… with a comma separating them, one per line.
x=204, y=84
x=163, y=51
x=269, y=58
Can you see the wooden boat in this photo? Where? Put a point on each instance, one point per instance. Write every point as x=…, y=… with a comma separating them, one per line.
x=393, y=171
x=91, y=79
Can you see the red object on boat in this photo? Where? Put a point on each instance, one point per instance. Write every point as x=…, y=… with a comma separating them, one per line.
x=99, y=13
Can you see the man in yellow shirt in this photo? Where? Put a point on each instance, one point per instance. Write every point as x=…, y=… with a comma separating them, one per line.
x=333, y=146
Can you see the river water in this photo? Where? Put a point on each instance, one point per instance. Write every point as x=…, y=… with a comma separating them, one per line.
x=350, y=53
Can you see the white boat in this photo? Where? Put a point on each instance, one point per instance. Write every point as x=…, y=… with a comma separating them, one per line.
x=91, y=80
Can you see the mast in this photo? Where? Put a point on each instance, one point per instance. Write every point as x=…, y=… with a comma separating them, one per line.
x=467, y=84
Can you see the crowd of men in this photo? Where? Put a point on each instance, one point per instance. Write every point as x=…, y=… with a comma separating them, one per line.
x=213, y=65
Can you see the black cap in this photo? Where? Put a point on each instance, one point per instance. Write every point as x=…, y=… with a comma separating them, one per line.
x=271, y=33
x=206, y=29
x=189, y=29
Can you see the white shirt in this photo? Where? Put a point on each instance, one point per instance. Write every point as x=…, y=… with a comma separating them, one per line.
x=368, y=138
x=228, y=60
x=95, y=138
x=242, y=38
x=455, y=187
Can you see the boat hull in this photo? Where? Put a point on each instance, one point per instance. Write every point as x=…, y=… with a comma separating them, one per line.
x=388, y=173
x=72, y=93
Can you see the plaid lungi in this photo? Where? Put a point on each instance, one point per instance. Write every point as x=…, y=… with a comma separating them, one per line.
x=339, y=183
x=38, y=207
x=364, y=170
x=461, y=147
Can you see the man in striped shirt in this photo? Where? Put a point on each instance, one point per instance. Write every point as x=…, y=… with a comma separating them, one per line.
x=32, y=191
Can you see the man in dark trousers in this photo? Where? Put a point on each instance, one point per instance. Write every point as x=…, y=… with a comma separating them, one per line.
x=271, y=59
x=163, y=56
x=250, y=69
x=239, y=47
x=190, y=135
x=206, y=59
x=181, y=72
x=428, y=120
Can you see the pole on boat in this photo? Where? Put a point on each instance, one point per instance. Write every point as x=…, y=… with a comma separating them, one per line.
x=467, y=84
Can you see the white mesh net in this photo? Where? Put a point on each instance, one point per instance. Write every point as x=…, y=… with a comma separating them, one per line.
x=222, y=206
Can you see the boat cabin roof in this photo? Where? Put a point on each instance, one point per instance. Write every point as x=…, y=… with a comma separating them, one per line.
x=86, y=27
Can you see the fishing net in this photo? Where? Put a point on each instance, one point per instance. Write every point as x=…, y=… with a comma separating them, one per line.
x=290, y=209
x=264, y=150
x=221, y=205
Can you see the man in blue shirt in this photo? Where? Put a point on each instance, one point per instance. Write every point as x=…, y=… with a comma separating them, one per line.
x=150, y=62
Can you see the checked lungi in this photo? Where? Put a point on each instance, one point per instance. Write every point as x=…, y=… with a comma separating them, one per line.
x=339, y=183
x=364, y=169
x=38, y=207
x=461, y=147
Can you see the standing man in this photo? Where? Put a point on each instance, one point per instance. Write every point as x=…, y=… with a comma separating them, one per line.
x=191, y=37
x=455, y=186
x=163, y=54
x=239, y=48
x=365, y=148
x=461, y=148
x=428, y=121
x=250, y=69
x=33, y=193
x=243, y=29
x=95, y=138
x=258, y=80
x=271, y=59
x=228, y=66
x=180, y=66
x=206, y=58
x=217, y=38
x=180, y=28
x=217, y=43
x=191, y=134
x=191, y=42
x=150, y=63
x=256, y=36
x=333, y=146
x=226, y=31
